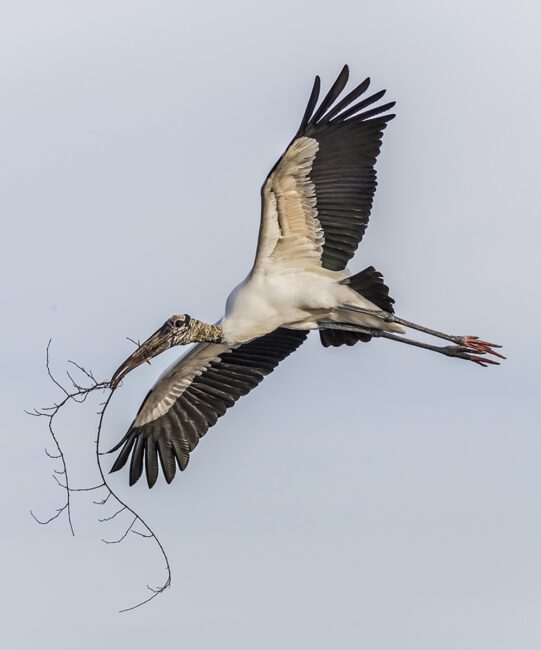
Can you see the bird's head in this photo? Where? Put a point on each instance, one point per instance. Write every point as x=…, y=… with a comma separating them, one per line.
x=176, y=330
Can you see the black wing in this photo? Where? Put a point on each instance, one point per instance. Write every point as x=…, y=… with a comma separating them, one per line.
x=327, y=183
x=189, y=398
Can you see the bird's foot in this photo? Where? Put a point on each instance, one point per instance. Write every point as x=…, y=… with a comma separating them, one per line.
x=472, y=348
x=481, y=347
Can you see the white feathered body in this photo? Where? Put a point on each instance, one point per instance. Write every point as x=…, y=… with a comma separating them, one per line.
x=280, y=296
x=288, y=285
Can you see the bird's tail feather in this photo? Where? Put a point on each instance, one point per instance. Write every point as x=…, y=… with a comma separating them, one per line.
x=370, y=285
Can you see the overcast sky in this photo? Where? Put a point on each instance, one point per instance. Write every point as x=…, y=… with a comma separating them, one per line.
x=373, y=497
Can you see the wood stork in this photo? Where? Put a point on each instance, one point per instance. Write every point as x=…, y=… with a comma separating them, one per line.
x=316, y=202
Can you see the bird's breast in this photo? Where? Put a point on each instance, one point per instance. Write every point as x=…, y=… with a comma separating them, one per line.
x=268, y=300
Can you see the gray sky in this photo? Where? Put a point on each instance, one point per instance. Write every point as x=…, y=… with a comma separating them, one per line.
x=373, y=497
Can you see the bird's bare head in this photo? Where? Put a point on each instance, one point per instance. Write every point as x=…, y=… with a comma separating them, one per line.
x=178, y=328
x=175, y=331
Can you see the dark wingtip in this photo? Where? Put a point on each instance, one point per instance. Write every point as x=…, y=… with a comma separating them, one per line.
x=333, y=94
x=118, y=445
x=127, y=441
x=117, y=465
x=314, y=96
x=136, y=465
x=348, y=99
x=151, y=462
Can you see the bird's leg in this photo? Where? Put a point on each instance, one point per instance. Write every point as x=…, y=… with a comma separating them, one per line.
x=461, y=351
x=473, y=343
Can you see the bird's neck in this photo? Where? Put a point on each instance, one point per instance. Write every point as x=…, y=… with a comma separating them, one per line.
x=205, y=333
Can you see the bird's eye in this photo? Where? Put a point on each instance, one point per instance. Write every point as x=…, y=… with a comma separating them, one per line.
x=179, y=323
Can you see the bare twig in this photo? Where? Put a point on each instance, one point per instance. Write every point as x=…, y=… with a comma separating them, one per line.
x=113, y=515
x=136, y=519
x=103, y=501
x=123, y=536
x=59, y=511
x=78, y=393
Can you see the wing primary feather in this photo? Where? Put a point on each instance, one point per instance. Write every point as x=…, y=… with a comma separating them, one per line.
x=213, y=392
x=382, y=120
x=350, y=97
x=167, y=459
x=136, y=465
x=216, y=403
x=201, y=413
x=122, y=441
x=151, y=461
x=181, y=454
x=362, y=104
x=375, y=111
x=333, y=94
x=194, y=414
x=189, y=430
x=203, y=406
x=314, y=96
x=129, y=439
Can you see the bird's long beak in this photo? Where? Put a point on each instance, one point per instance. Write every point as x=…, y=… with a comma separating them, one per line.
x=159, y=341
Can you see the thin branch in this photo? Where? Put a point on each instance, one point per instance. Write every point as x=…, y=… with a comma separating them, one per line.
x=79, y=393
x=89, y=489
x=103, y=501
x=113, y=515
x=68, y=490
x=59, y=511
x=82, y=369
x=47, y=453
x=117, y=541
x=137, y=518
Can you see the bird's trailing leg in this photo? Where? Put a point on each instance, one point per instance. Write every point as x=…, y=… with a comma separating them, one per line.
x=472, y=343
x=461, y=351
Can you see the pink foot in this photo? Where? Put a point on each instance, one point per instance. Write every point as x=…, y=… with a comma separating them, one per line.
x=472, y=346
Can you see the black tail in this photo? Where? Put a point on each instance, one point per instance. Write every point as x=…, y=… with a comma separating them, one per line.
x=369, y=283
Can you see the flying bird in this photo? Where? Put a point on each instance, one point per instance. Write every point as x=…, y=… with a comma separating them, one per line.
x=315, y=205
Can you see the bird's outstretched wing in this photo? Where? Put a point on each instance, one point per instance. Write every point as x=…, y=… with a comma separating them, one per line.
x=191, y=395
x=316, y=201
